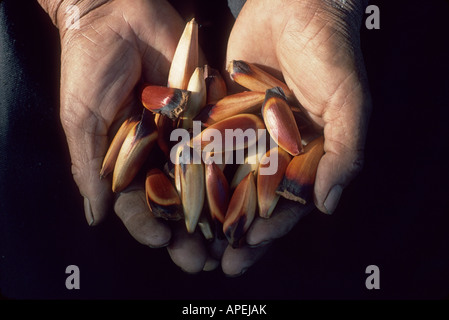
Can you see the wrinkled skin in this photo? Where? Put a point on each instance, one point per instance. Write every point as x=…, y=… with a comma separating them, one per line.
x=314, y=45
x=119, y=45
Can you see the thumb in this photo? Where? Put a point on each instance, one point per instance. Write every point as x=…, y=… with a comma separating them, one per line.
x=87, y=140
x=99, y=70
x=334, y=173
x=345, y=127
x=93, y=98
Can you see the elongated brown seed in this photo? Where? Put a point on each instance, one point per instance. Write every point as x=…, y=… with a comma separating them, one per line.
x=241, y=210
x=169, y=102
x=254, y=78
x=177, y=168
x=114, y=148
x=162, y=197
x=191, y=179
x=205, y=226
x=280, y=121
x=165, y=125
x=241, y=172
x=215, y=85
x=251, y=164
x=233, y=133
x=242, y=102
x=271, y=172
x=217, y=191
x=220, y=159
x=134, y=151
x=185, y=59
x=299, y=179
x=197, y=100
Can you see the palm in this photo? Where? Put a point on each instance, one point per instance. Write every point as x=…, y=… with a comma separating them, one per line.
x=316, y=59
x=119, y=45
x=318, y=55
x=103, y=70
x=115, y=47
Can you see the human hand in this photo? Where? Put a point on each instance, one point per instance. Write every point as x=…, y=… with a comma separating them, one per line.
x=314, y=45
x=114, y=47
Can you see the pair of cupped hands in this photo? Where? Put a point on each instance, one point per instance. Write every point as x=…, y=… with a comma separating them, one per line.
x=117, y=44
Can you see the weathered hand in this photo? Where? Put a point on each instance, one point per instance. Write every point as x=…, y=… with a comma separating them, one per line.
x=314, y=45
x=113, y=46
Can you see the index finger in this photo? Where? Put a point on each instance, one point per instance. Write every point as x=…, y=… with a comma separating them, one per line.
x=132, y=209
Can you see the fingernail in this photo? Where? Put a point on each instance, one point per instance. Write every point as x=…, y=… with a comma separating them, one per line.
x=243, y=271
x=158, y=246
x=211, y=265
x=332, y=199
x=190, y=272
x=88, y=212
x=237, y=274
x=260, y=244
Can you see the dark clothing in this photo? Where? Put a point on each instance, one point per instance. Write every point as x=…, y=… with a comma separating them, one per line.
x=394, y=215
x=235, y=6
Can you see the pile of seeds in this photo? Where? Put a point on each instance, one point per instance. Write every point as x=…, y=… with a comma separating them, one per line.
x=200, y=132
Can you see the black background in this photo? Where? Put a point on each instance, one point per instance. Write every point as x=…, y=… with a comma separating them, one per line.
x=394, y=215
